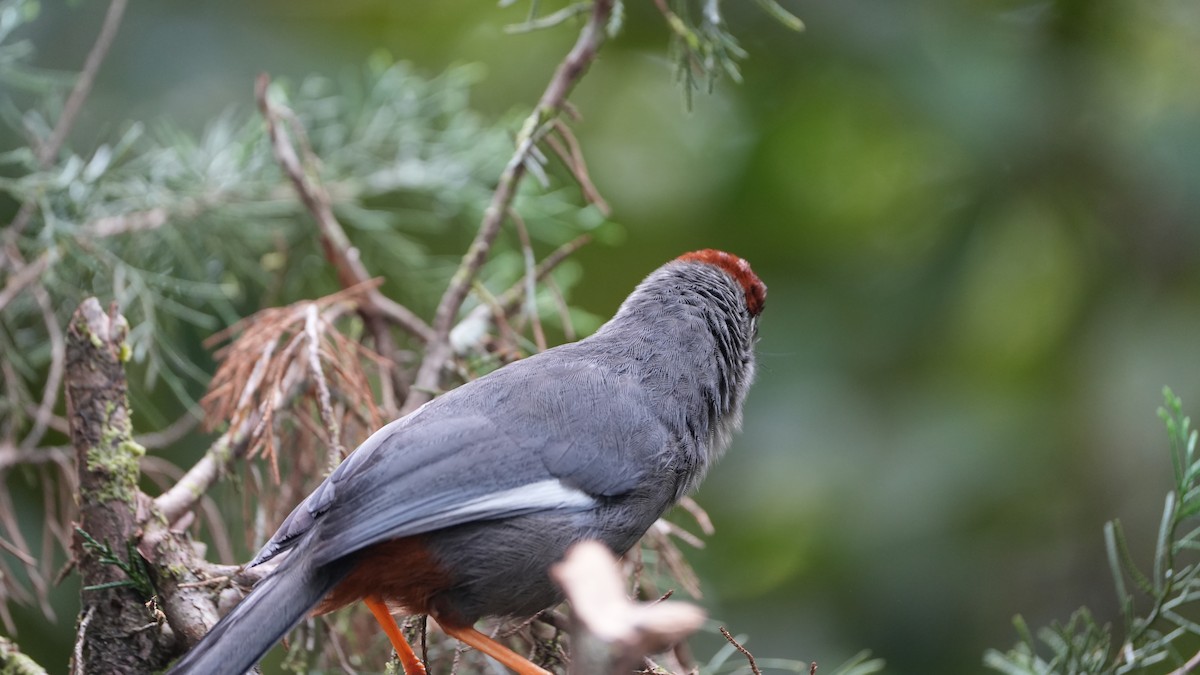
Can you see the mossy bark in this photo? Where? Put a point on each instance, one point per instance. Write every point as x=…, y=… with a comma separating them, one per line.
x=122, y=634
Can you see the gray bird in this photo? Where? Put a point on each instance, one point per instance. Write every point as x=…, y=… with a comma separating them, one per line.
x=459, y=509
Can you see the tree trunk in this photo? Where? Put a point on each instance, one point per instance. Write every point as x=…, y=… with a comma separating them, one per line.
x=118, y=630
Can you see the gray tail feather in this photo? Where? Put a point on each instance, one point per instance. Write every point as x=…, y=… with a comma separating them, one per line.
x=273, y=608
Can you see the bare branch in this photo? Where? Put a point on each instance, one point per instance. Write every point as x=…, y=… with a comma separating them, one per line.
x=338, y=249
x=474, y=326
x=572, y=157
x=312, y=335
x=232, y=444
x=165, y=474
x=189, y=607
x=11, y=455
x=8, y=518
x=564, y=310
x=25, y=275
x=688, y=504
x=80, y=633
x=510, y=299
x=668, y=528
x=83, y=85
x=745, y=652
x=17, y=552
x=172, y=433
x=574, y=65
x=58, y=356
x=670, y=557
x=539, y=335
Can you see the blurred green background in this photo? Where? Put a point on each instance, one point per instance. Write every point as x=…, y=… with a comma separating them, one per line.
x=978, y=223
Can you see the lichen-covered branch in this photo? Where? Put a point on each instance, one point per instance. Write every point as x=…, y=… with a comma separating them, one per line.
x=121, y=636
x=189, y=606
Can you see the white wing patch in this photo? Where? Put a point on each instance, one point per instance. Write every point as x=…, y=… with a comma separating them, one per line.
x=543, y=495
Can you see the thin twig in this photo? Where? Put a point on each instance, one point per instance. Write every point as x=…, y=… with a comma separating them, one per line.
x=338, y=651
x=688, y=504
x=509, y=301
x=214, y=581
x=53, y=422
x=539, y=335
x=23, y=277
x=564, y=310
x=77, y=661
x=58, y=357
x=670, y=557
x=669, y=528
x=572, y=157
x=19, y=553
x=324, y=404
x=83, y=85
x=183, y=495
x=165, y=474
x=11, y=455
x=178, y=500
x=172, y=433
x=745, y=652
x=9, y=520
x=574, y=65
x=52, y=531
x=550, y=20
x=74, y=103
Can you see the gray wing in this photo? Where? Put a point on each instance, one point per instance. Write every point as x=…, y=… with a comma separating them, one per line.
x=524, y=439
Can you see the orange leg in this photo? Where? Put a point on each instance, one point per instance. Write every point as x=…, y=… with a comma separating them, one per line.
x=412, y=665
x=507, y=657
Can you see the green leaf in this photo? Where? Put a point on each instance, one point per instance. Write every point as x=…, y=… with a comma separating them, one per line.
x=1162, y=551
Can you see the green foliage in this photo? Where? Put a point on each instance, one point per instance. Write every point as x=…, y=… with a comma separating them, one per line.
x=1079, y=646
x=190, y=233
x=1153, y=603
x=15, y=70
x=137, y=576
x=703, y=48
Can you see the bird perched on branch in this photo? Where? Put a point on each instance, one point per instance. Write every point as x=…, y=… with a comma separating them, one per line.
x=459, y=509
